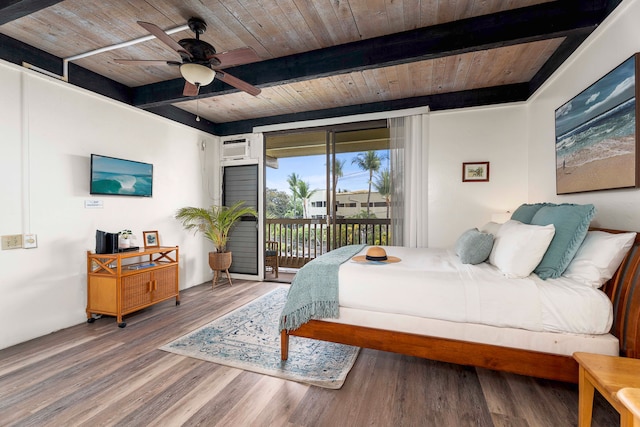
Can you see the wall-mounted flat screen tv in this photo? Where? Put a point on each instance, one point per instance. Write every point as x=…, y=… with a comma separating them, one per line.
x=120, y=177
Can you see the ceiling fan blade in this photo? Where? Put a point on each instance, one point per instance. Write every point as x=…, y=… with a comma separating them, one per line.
x=240, y=56
x=164, y=38
x=190, y=89
x=237, y=83
x=145, y=62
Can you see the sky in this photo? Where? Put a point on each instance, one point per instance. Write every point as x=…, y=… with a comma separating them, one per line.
x=312, y=169
x=611, y=90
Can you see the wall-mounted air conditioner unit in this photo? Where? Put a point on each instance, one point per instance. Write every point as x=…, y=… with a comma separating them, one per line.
x=235, y=149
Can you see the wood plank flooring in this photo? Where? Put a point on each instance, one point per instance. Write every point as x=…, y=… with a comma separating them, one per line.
x=100, y=375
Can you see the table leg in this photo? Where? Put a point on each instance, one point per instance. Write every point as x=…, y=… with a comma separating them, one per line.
x=585, y=399
x=626, y=418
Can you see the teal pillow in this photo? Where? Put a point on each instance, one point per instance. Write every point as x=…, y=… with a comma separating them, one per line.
x=473, y=246
x=572, y=224
x=525, y=212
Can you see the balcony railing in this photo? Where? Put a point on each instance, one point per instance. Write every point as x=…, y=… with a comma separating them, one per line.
x=301, y=240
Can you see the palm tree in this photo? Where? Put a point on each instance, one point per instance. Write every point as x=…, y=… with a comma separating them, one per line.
x=338, y=173
x=293, y=179
x=369, y=161
x=382, y=184
x=304, y=192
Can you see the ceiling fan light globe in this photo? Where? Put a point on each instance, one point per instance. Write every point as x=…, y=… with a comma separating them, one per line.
x=197, y=74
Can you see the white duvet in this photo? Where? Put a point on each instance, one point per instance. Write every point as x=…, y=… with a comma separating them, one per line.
x=433, y=283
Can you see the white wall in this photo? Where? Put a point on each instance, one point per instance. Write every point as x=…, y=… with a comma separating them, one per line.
x=48, y=129
x=495, y=134
x=611, y=44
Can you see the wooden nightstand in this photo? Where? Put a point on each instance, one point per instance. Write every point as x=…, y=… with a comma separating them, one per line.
x=630, y=398
x=607, y=374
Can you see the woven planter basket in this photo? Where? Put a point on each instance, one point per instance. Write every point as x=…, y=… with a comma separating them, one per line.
x=219, y=261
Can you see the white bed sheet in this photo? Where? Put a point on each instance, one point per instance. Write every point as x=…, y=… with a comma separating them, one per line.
x=433, y=283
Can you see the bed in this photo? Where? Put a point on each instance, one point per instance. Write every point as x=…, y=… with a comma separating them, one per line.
x=541, y=351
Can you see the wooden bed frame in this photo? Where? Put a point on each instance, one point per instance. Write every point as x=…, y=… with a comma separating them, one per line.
x=623, y=290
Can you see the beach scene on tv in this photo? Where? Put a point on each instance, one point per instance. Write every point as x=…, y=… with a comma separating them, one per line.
x=120, y=177
x=595, y=135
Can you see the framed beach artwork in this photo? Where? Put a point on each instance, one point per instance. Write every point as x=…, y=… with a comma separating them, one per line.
x=596, y=142
x=475, y=172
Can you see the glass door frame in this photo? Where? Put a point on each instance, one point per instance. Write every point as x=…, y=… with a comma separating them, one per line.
x=331, y=182
x=331, y=131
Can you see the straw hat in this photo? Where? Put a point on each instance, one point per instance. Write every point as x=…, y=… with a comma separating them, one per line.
x=376, y=254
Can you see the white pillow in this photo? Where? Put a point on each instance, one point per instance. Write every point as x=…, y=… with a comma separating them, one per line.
x=518, y=248
x=491, y=228
x=599, y=257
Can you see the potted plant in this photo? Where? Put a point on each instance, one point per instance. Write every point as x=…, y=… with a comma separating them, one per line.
x=215, y=223
x=125, y=239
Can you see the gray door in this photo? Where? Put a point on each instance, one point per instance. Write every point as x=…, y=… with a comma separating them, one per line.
x=241, y=183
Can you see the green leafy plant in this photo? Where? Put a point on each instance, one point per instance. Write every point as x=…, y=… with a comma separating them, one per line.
x=214, y=222
x=126, y=234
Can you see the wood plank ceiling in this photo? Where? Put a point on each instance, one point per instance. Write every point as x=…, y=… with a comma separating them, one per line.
x=317, y=58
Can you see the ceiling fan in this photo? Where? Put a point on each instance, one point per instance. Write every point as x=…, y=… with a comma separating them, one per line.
x=200, y=61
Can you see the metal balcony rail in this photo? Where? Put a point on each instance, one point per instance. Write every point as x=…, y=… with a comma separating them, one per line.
x=301, y=240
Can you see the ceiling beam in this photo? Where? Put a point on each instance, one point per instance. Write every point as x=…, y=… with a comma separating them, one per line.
x=573, y=19
x=568, y=46
x=17, y=52
x=14, y=9
x=566, y=18
x=181, y=116
x=445, y=101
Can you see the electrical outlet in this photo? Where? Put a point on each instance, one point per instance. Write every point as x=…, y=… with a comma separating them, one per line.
x=12, y=242
x=29, y=241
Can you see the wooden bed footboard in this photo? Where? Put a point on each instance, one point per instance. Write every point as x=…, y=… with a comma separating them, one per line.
x=623, y=290
x=536, y=364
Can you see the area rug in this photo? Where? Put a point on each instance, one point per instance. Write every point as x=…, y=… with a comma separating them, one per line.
x=248, y=338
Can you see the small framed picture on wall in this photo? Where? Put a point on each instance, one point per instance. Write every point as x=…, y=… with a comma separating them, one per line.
x=475, y=172
x=151, y=239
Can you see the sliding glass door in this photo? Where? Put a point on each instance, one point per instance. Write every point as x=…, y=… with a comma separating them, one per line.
x=325, y=188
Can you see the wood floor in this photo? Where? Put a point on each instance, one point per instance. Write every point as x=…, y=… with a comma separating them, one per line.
x=100, y=375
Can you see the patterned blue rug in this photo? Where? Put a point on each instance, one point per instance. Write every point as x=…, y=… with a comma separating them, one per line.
x=248, y=338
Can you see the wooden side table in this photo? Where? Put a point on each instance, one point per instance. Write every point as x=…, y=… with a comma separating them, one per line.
x=630, y=398
x=607, y=374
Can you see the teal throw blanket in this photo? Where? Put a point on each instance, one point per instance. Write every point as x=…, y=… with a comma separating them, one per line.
x=314, y=290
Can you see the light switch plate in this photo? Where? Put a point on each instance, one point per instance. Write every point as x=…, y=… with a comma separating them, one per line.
x=13, y=241
x=29, y=241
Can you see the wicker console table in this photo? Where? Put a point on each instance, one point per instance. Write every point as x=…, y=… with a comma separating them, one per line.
x=119, y=284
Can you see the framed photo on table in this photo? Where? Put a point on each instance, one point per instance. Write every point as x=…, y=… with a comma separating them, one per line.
x=151, y=239
x=475, y=172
